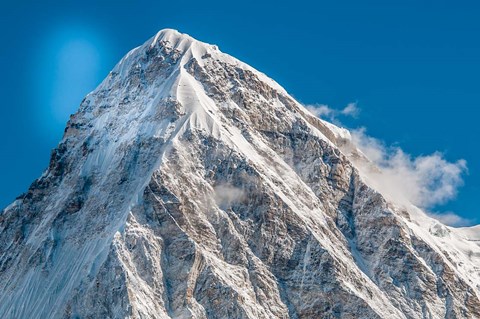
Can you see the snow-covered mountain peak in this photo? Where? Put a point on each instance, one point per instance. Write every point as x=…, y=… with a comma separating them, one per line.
x=179, y=41
x=172, y=36
x=190, y=185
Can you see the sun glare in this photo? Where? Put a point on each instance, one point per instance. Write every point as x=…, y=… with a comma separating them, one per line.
x=69, y=66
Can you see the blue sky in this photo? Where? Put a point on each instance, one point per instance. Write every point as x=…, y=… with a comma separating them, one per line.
x=411, y=67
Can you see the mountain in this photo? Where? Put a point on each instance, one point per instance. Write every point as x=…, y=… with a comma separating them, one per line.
x=190, y=185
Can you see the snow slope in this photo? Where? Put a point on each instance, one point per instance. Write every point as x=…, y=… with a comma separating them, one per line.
x=190, y=185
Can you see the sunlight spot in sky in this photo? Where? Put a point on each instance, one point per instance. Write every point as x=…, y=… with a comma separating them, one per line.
x=68, y=66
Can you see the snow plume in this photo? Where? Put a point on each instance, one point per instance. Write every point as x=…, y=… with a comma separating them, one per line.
x=226, y=195
x=326, y=112
x=425, y=181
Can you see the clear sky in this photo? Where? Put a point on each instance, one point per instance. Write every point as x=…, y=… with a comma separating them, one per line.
x=411, y=67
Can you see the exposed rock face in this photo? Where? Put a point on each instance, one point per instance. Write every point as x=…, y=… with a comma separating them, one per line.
x=190, y=185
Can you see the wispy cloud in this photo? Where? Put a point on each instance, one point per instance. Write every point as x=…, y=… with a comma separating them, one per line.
x=452, y=219
x=226, y=195
x=425, y=181
x=351, y=110
x=320, y=110
x=325, y=112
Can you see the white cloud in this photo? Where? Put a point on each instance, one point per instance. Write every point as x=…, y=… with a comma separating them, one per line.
x=351, y=110
x=452, y=219
x=425, y=181
x=321, y=110
x=326, y=112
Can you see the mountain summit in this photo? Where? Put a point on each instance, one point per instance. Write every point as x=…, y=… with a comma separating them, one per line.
x=190, y=185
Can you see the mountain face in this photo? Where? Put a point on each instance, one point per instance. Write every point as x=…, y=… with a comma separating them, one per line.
x=189, y=185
